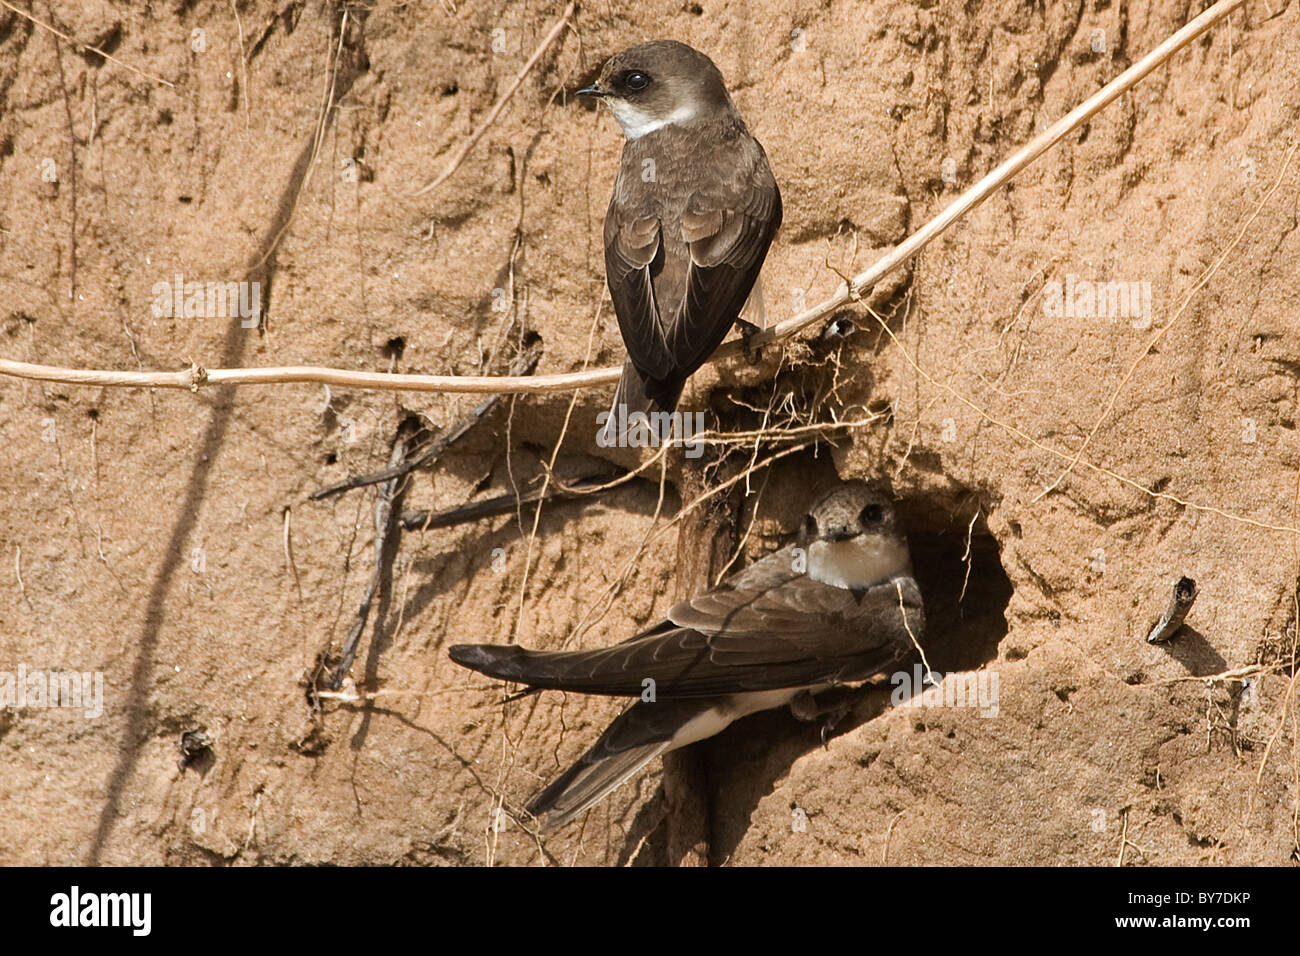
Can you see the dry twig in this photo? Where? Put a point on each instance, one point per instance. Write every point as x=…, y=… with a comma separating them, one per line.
x=83, y=47
x=195, y=376
x=1180, y=602
x=523, y=365
x=500, y=104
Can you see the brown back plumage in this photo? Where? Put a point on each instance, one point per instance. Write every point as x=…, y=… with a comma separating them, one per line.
x=694, y=210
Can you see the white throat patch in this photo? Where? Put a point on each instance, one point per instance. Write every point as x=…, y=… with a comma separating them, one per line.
x=857, y=563
x=637, y=122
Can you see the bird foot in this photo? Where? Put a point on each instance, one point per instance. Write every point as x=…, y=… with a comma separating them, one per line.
x=830, y=708
x=747, y=332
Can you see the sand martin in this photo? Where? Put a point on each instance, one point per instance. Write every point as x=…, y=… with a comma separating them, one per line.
x=838, y=606
x=694, y=210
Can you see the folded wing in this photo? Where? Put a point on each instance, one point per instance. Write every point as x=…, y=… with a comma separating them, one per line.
x=770, y=627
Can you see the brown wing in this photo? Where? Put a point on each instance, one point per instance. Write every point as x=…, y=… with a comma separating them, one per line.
x=727, y=248
x=636, y=737
x=633, y=255
x=718, y=236
x=770, y=627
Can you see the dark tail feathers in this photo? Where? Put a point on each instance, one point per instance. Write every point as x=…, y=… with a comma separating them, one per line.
x=508, y=661
x=649, y=397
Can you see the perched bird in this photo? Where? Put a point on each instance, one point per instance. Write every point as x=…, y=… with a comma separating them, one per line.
x=838, y=606
x=694, y=210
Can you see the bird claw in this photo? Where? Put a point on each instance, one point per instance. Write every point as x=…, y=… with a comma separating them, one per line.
x=833, y=717
x=747, y=332
x=808, y=709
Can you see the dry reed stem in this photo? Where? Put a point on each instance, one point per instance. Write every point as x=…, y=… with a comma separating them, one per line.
x=195, y=376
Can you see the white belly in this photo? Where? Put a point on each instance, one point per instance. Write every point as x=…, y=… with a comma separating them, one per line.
x=720, y=716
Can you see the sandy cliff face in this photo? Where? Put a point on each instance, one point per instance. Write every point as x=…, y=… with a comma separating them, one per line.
x=165, y=539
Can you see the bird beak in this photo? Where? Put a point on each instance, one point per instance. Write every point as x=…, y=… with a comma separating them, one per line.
x=592, y=90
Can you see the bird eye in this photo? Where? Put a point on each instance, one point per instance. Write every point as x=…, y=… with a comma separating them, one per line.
x=871, y=514
x=636, y=81
x=810, y=526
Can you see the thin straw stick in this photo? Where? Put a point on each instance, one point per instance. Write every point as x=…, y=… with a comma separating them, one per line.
x=195, y=377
